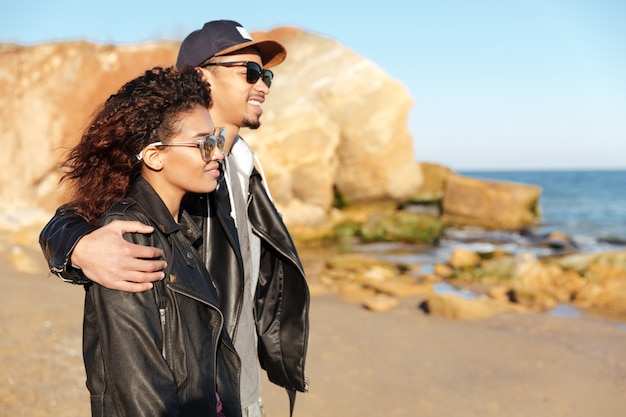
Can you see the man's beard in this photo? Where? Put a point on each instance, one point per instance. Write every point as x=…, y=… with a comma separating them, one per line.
x=252, y=124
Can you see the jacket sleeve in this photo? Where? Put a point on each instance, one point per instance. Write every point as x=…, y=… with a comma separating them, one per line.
x=58, y=239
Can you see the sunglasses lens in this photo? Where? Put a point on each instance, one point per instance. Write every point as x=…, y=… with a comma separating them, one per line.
x=268, y=76
x=220, y=139
x=208, y=146
x=211, y=142
x=255, y=72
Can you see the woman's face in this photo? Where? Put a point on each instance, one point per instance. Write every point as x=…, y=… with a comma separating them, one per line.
x=183, y=167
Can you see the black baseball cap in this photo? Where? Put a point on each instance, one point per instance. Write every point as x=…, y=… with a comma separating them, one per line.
x=222, y=37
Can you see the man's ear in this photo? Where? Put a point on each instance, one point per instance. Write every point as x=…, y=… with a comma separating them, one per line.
x=152, y=158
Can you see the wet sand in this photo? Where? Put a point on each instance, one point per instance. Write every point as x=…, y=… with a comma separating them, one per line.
x=398, y=363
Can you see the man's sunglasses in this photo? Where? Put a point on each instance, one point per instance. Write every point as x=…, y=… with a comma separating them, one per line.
x=254, y=71
x=206, y=144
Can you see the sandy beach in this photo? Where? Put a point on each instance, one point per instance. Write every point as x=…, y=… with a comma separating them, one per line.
x=398, y=363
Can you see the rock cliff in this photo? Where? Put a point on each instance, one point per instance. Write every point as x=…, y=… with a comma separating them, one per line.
x=333, y=121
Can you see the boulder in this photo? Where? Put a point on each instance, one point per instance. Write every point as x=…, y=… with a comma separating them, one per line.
x=490, y=204
x=461, y=258
x=452, y=306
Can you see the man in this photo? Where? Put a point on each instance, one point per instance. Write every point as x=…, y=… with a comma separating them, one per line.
x=259, y=277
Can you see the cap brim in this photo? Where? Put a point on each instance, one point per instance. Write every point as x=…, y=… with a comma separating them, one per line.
x=272, y=53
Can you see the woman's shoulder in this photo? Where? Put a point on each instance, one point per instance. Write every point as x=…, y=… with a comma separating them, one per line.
x=130, y=210
x=126, y=209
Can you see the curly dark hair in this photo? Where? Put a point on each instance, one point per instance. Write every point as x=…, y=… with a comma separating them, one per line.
x=146, y=109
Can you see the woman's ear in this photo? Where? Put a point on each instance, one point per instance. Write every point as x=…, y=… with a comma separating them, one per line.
x=152, y=158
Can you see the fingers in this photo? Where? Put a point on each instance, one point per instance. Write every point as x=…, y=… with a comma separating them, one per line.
x=131, y=275
x=108, y=242
x=127, y=286
x=141, y=270
x=140, y=252
x=144, y=282
x=126, y=226
x=106, y=258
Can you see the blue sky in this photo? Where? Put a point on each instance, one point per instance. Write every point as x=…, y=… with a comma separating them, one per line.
x=496, y=84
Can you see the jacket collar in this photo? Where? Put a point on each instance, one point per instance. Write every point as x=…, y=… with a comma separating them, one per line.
x=143, y=193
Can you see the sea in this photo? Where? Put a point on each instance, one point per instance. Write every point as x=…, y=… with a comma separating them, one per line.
x=589, y=206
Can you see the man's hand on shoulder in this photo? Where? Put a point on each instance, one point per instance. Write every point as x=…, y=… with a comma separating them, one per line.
x=109, y=260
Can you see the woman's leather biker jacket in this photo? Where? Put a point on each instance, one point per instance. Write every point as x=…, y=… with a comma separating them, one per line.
x=162, y=352
x=282, y=297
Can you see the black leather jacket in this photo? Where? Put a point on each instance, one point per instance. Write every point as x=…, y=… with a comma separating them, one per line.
x=162, y=352
x=282, y=296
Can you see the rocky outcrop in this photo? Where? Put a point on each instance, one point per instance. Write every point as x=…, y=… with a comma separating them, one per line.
x=460, y=200
x=489, y=204
x=333, y=121
x=47, y=93
x=473, y=287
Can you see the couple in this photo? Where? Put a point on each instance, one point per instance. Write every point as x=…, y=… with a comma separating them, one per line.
x=182, y=323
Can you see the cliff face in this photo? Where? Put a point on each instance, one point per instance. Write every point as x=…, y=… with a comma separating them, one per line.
x=333, y=120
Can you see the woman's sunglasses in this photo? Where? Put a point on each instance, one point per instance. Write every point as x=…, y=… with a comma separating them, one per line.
x=206, y=144
x=254, y=71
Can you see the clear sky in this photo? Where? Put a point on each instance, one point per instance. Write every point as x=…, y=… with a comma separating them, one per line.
x=497, y=84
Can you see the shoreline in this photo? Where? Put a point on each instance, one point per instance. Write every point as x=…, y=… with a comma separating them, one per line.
x=401, y=362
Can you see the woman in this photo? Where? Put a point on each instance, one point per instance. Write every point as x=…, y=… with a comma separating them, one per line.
x=163, y=352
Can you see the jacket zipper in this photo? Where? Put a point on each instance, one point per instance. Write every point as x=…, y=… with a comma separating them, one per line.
x=162, y=317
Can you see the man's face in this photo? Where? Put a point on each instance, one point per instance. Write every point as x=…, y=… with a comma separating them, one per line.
x=235, y=101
